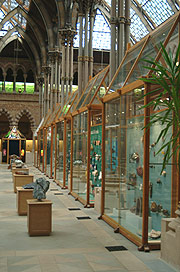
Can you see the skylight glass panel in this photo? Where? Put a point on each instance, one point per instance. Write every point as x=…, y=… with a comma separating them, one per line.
x=137, y=28
x=108, y=2
x=2, y=33
x=101, y=33
x=2, y=15
x=12, y=4
x=159, y=11
x=7, y=26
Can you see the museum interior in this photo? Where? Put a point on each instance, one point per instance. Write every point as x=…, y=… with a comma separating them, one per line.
x=89, y=129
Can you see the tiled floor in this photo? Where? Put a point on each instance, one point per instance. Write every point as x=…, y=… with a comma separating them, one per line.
x=74, y=245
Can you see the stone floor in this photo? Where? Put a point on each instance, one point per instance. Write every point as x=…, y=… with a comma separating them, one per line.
x=74, y=245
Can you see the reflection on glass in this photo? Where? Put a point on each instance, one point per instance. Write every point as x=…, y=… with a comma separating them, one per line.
x=68, y=152
x=160, y=183
x=124, y=161
x=48, y=150
x=80, y=155
x=41, y=148
x=95, y=153
x=60, y=148
x=53, y=152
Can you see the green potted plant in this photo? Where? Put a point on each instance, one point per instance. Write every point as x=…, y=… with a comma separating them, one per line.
x=166, y=77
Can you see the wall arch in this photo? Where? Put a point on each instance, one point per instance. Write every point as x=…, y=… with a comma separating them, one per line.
x=28, y=114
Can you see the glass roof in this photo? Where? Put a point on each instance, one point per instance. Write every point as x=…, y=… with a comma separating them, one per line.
x=146, y=15
x=17, y=20
x=101, y=33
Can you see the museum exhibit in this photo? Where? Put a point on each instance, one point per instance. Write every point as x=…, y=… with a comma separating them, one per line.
x=89, y=135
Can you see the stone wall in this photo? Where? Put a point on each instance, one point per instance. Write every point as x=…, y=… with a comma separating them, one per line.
x=14, y=105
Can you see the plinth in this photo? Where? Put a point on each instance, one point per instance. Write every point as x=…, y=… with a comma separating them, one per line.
x=39, y=217
x=14, y=170
x=20, y=180
x=22, y=196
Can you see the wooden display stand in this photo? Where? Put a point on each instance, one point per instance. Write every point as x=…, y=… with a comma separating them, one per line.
x=20, y=180
x=14, y=170
x=22, y=196
x=39, y=217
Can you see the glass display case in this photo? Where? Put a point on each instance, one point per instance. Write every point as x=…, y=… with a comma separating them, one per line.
x=68, y=153
x=53, y=151
x=59, y=153
x=79, y=173
x=48, y=152
x=86, y=135
x=124, y=162
x=43, y=149
x=136, y=195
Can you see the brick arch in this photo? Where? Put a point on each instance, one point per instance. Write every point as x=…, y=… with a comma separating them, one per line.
x=8, y=115
x=29, y=115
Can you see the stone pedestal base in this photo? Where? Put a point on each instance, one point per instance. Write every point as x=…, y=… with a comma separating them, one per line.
x=170, y=244
x=20, y=180
x=39, y=217
x=97, y=199
x=22, y=196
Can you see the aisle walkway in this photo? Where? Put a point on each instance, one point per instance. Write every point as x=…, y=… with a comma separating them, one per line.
x=74, y=246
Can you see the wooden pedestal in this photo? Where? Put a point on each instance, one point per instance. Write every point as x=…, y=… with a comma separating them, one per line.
x=39, y=217
x=22, y=196
x=14, y=169
x=20, y=180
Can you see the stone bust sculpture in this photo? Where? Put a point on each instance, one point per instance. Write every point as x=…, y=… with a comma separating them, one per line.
x=40, y=186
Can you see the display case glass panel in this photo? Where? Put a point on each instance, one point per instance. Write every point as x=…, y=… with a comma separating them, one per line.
x=68, y=152
x=151, y=49
x=160, y=181
x=4, y=151
x=41, y=148
x=79, y=184
x=124, y=161
x=44, y=150
x=53, y=152
x=23, y=150
x=59, y=151
x=86, y=92
x=95, y=86
x=48, y=152
x=95, y=152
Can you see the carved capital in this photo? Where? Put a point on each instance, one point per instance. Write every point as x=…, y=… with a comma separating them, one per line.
x=128, y=21
x=113, y=20
x=46, y=70
x=121, y=20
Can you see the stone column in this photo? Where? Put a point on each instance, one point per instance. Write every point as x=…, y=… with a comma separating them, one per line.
x=127, y=23
x=63, y=73
x=14, y=83
x=86, y=56
x=59, y=78
x=67, y=69
x=80, y=55
x=71, y=66
x=121, y=22
x=4, y=82
x=113, y=39
x=25, y=77
x=90, y=45
x=46, y=71
x=40, y=84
